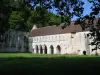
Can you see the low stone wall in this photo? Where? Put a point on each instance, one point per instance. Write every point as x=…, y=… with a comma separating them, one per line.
x=12, y=50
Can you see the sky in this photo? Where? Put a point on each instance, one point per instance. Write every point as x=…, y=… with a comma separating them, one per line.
x=87, y=9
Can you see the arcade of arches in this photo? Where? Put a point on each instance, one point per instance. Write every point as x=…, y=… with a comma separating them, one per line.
x=42, y=49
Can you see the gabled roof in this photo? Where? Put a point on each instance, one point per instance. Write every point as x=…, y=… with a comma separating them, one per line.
x=52, y=30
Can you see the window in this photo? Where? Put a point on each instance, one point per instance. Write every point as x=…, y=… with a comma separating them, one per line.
x=35, y=39
x=41, y=38
x=52, y=38
x=55, y=37
x=58, y=37
x=62, y=37
x=45, y=38
x=73, y=34
x=85, y=35
x=48, y=38
x=30, y=40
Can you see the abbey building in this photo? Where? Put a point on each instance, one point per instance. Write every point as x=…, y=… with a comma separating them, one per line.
x=49, y=40
x=55, y=40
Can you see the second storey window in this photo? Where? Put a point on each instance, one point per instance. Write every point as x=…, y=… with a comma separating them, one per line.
x=73, y=34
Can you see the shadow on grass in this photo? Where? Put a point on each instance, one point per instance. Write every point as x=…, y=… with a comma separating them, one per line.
x=49, y=66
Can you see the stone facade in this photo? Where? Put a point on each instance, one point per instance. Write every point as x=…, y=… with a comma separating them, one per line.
x=14, y=41
x=76, y=42
x=49, y=40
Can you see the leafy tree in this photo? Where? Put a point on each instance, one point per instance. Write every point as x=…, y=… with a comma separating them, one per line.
x=7, y=8
x=63, y=7
x=40, y=15
x=4, y=15
x=16, y=21
x=19, y=15
x=54, y=19
x=72, y=8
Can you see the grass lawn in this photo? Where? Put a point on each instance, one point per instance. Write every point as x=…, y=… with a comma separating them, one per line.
x=36, y=64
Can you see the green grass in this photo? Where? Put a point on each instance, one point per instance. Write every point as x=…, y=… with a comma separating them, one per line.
x=36, y=64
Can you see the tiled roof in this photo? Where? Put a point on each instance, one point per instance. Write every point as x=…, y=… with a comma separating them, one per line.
x=52, y=30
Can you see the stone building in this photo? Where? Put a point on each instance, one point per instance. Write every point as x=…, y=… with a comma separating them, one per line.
x=49, y=40
x=55, y=40
x=14, y=41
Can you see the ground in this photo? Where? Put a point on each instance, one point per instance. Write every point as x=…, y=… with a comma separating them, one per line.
x=36, y=64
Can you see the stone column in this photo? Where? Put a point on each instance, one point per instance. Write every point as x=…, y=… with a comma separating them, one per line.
x=48, y=50
x=43, y=51
x=22, y=46
x=34, y=50
x=38, y=51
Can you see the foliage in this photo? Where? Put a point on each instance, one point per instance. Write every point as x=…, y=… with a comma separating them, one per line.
x=54, y=19
x=39, y=16
x=63, y=7
x=72, y=8
x=16, y=21
x=22, y=14
x=4, y=15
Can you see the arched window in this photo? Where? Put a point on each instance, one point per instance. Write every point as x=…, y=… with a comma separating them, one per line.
x=84, y=52
x=58, y=49
x=41, y=49
x=37, y=49
x=51, y=49
x=26, y=42
x=45, y=49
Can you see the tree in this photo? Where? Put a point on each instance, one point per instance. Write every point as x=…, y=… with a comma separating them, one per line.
x=63, y=7
x=4, y=15
x=41, y=16
x=93, y=23
x=7, y=10
x=76, y=6
x=19, y=15
x=54, y=19
x=16, y=21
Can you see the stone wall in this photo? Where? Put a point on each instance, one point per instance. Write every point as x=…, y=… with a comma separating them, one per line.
x=69, y=43
x=14, y=41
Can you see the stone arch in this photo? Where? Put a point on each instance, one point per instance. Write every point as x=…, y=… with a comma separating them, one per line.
x=26, y=43
x=41, y=49
x=45, y=49
x=58, y=49
x=51, y=49
x=84, y=52
x=25, y=38
x=37, y=49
